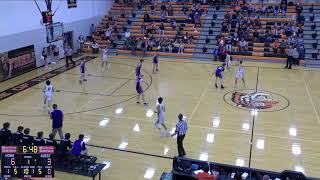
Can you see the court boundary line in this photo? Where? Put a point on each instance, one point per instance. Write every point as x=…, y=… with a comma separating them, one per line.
x=253, y=123
x=310, y=98
x=166, y=59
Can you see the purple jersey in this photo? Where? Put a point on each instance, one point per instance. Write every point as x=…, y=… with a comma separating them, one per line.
x=138, y=69
x=155, y=60
x=219, y=71
x=82, y=67
x=138, y=86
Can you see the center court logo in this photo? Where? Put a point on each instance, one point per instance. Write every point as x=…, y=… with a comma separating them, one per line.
x=260, y=100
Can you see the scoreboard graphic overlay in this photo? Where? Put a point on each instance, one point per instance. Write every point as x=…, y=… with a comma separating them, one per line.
x=27, y=161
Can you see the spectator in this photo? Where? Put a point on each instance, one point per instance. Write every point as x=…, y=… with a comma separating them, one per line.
x=44, y=57
x=92, y=29
x=51, y=141
x=108, y=34
x=127, y=34
x=57, y=121
x=69, y=53
x=275, y=45
x=173, y=24
x=5, y=135
x=313, y=26
x=79, y=147
x=228, y=45
x=17, y=137
x=180, y=47
x=27, y=140
x=161, y=29
x=243, y=45
x=205, y=174
x=65, y=144
x=163, y=16
x=301, y=51
x=146, y=17
x=191, y=38
x=38, y=141
x=283, y=46
x=81, y=43
x=170, y=10
x=143, y=28
x=289, y=57
x=295, y=56
x=95, y=47
x=255, y=36
x=163, y=7
x=184, y=9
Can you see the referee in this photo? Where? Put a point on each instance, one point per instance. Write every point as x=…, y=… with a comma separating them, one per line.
x=181, y=129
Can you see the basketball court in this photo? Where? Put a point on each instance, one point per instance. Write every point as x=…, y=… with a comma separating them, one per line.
x=221, y=124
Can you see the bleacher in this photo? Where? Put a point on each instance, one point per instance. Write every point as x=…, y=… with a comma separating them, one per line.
x=311, y=12
x=263, y=50
x=132, y=18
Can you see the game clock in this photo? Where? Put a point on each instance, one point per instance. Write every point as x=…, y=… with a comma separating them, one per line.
x=27, y=161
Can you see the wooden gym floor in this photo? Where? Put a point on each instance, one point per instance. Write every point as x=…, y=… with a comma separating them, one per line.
x=105, y=110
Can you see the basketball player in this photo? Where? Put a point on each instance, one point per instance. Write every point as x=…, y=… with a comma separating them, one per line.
x=240, y=75
x=104, y=59
x=160, y=111
x=140, y=91
x=219, y=75
x=138, y=68
x=155, y=63
x=228, y=61
x=47, y=92
x=83, y=70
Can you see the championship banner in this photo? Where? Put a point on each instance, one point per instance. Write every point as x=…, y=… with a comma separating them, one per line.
x=72, y=3
x=16, y=62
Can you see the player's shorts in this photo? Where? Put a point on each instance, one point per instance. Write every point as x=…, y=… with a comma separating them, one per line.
x=139, y=90
x=219, y=75
x=155, y=61
x=160, y=120
x=239, y=75
x=104, y=59
x=48, y=98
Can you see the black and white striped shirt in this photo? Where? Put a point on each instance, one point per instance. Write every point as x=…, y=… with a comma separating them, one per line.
x=181, y=127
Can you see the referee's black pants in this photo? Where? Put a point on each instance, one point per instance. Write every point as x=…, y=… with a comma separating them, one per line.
x=69, y=58
x=180, y=145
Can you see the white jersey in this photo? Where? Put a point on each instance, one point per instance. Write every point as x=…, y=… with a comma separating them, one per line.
x=105, y=55
x=161, y=110
x=240, y=71
x=48, y=90
x=228, y=59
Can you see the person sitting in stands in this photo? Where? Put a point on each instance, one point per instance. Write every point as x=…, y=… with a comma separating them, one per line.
x=255, y=35
x=27, y=140
x=184, y=9
x=243, y=45
x=283, y=46
x=146, y=17
x=191, y=38
x=108, y=33
x=275, y=45
x=17, y=137
x=163, y=16
x=205, y=174
x=95, y=47
x=38, y=141
x=173, y=24
x=79, y=147
x=5, y=134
